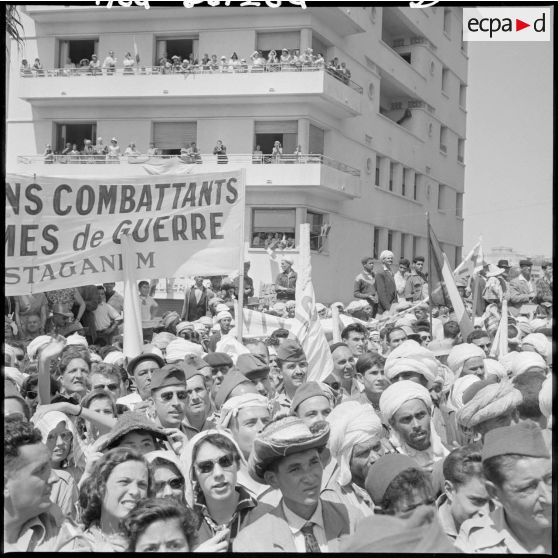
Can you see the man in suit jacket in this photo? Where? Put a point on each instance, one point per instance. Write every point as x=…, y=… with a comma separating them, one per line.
x=196, y=299
x=286, y=456
x=385, y=283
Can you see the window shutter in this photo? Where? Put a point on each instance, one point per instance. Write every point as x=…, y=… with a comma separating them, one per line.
x=174, y=135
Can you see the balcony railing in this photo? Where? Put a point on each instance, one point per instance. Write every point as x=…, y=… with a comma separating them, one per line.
x=236, y=159
x=86, y=71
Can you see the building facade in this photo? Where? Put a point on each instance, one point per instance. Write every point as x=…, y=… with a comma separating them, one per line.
x=379, y=150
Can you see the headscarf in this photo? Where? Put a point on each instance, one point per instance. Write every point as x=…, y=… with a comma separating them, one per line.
x=170, y=457
x=545, y=399
x=459, y=354
x=232, y=406
x=409, y=356
x=523, y=361
x=50, y=420
x=76, y=339
x=455, y=400
x=36, y=344
x=162, y=339
x=12, y=373
x=495, y=368
x=114, y=357
x=399, y=393
x=489, y=402
x=351, y=423
x=538, y=341
x=186, y=458
x=179, y=348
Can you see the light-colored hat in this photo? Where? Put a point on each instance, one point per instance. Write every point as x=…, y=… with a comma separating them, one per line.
x=114, y=139
x=494, y=270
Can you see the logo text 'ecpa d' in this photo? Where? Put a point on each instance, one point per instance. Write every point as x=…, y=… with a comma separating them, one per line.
x=506, y=24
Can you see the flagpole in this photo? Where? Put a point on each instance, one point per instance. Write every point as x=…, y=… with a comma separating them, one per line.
x=476, y=281
x=429, y=270
x=240, y=298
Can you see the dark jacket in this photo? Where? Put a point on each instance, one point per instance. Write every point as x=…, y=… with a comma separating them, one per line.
x=385, y=287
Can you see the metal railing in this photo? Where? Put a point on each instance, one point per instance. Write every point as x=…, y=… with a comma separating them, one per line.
x=233, y=158
x=184, y=72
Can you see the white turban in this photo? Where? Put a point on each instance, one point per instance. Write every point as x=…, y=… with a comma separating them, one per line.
x=183, y=326
x=489, y=402
x=351, y=423
x=459, y=354
x=538, y=341
x=455, y=400
x=36, y=344
x=400, y=393
x=221, y=307
x=231, y=406
x=507, y=361
x=445, y=374
x=232, y=346
x=492, y=366
x=199, y=327
x=523, y=325
x=526, y=360
x=539, y=323
x=76, y=339
x=162, y=339
x=94, y=357
x=545, y=399
x=386, y=254
x=221, y=315
x=356, y=305
x=179, y=348
x=115, y=357
x=409, y=356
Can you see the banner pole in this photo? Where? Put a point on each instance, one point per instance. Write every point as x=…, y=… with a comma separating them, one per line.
x=240, y=297
x=429, y=271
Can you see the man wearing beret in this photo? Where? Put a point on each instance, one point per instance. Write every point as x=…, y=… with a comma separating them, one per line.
x=285, y=283
x=255, y=368
x=220, y=364
x=522, y=290
x=293, y=368
x=286, y=455
x=518, y=471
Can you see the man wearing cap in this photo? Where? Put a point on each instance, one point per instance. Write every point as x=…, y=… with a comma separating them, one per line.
x=220, y=364
x=196, y=299
x=285, y=282
x=312, y=403
x=365, y=284
x=415, y=281
x=385, y=283
x=286, y=456
x=293, y=368
x=522, y=290
x=543, y=286
x=140, y=370
x=518, y=471
x=407, y=407
x=168, y=395
x=505, y=265
x=256, y=370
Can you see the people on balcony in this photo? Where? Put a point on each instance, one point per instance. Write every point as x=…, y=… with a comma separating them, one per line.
x=25, y=69
x=221, y=151
x=88, y=150
x=38, y=68
x=113, y=155
x=48, y=155
x=277, y=152
x=234, y=62
x=131, y=150
x=272, y=62
x=95, y=65
x=205, y=62
x=320, y=61
x=152, y=151
x=285, y=59
x=67, y=149
x=128, y=64
x=74, y=154
x=257, y=156
x=84, y=66
x=101, y=150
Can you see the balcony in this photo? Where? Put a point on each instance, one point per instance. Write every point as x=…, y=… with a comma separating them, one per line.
x=315, y=173
x=141, y=85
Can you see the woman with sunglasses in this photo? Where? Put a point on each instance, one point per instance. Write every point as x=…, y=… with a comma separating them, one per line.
x=119, y=479
x=223, y=507
x=169, y=478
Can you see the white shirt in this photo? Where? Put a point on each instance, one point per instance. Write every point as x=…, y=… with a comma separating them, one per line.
x=296, y=523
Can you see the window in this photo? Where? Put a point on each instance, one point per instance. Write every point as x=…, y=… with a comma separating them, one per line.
x=443, y=139
x=319, y=45
x=284, y=131
x=273, y=227
x=74, y=133
x=415, y=246
x=318, y=230
x=403, y=185
x=447, y=21
x=167, y=47
x=415, y=187
x=462, y=95
x=402, y=247
x=459, y=207
x=170, y=137
x=377, y=178
x=76, y=50
x=316, y=140
x=461, y=150
x=390, y=240
x=445, y=78
x=442, y=191
x=376, y=246
x=391, y=168
x=277, y=41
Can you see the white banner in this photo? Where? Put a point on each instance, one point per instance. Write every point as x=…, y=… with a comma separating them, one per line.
x=65, y=231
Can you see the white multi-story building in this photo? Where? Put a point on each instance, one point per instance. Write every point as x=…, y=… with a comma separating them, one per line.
x=379, y=151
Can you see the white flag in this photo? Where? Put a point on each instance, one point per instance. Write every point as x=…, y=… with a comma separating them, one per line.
x=500, y=343
x=307, y=327
x=133, y=335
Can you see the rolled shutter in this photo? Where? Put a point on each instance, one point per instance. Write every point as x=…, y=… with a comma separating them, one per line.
x=277, y=127
x=174, y=135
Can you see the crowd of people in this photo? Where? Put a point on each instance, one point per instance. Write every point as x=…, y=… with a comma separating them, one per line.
x=276, y=61
x=419, y=440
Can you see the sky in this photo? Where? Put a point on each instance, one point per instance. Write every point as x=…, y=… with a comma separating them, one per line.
x=509, y=147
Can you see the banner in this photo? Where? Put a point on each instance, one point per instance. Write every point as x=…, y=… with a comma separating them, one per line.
x=66, y=231
x=307, y=327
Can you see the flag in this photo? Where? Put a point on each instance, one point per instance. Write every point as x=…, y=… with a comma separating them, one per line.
x=500, y=343
x=441, y=284
x=472, y=264
x=136, y=51
x=132, y=334
x=307, y=327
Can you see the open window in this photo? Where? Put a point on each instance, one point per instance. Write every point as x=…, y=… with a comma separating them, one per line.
x=273, y=228
x=284, y=131
x=74, y=133
x=74, y=50
x=167, y=47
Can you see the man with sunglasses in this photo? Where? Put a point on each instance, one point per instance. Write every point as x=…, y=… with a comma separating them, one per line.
x=168, y=395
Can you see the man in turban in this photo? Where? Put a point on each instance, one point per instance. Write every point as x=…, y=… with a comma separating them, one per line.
x=411, y=361
x=518, y=471
x=355, y=442
x=224, y=320
x=488, y=406
x=466, y=358
x=407, y=407
x=385, y=283
x=528, y=360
